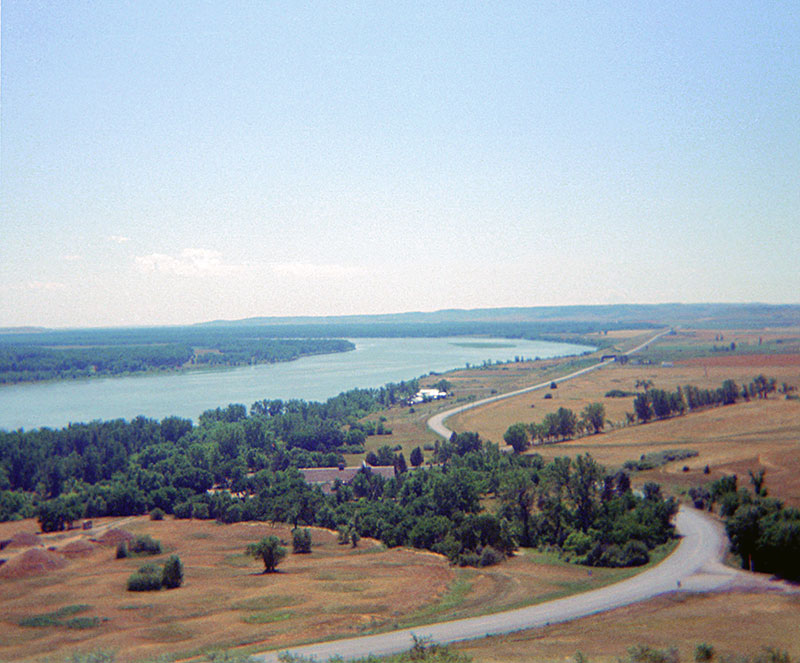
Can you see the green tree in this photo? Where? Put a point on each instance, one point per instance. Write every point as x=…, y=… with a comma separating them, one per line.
x=172, y=576
x=644, y=411
x=567, y=422
x=270, y=550
x=301, y=540
x=416, y=457
x=517, y=437
x=594, y=416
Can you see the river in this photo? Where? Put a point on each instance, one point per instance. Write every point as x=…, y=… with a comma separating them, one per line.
x=373, y=363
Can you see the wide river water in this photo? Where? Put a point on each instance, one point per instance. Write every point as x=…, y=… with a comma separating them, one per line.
x=373, y=363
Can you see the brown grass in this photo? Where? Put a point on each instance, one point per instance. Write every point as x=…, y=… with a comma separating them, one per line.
x=734, y=623
x=737, y=438
x=226, y=601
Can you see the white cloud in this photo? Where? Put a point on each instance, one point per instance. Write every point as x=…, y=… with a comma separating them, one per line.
x=46, y=286
x=189, y=262
x=311, y=270
x=72, y=257
x=119, y=239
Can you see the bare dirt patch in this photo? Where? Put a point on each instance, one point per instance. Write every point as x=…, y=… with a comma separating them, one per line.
x=32, y=562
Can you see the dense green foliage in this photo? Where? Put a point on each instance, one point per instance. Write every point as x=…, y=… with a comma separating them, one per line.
x=99, y=354
x=763, y=532
x=147, y=579
x=152, y=577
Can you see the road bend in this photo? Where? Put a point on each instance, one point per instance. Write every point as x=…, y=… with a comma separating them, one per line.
x=436, y=422
x=696, y=559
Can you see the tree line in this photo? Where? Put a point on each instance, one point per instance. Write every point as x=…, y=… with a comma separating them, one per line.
x=28, y=363
x=563, y=424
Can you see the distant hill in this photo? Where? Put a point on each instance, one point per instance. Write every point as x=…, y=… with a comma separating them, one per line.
x=583, y=317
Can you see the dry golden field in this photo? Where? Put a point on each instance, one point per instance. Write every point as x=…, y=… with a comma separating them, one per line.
x=226, y=602
x=734, y=623
x=731, y=439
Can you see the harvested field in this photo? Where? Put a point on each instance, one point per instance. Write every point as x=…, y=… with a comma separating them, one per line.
x=77, y=548
x=225, y=601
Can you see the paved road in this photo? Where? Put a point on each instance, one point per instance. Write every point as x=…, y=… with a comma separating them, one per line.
x=436, y=422
x=694, y=565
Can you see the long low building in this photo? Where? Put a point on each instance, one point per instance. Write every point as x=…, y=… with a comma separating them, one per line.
x=327, y=476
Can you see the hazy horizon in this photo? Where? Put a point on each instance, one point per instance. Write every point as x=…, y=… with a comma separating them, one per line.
x=175, y=163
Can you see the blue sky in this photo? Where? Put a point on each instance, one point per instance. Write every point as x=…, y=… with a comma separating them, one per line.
x=170, y=162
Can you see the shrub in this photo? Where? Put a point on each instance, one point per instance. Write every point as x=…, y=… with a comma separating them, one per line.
x=490, y=557
x=157, y=514
x=344, y=535
x=144, y=545
x=703, y=652
x=122, y=550
x=200, y=511
x=635, y=554
x=182, y=510
x=146, y=579
x=301, y=541
x=578, y=542
x=645, y=654
x=233, y=514
x=172, y=575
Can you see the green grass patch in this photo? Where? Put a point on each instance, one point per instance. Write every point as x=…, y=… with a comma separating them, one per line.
x=451, y=600
x=265, y=602
x=238, y=561
x=56, y=618
x=268, y=617
x=83, y=622
x=342, y=587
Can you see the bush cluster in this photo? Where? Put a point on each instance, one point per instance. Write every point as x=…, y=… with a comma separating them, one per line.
x=151, y=577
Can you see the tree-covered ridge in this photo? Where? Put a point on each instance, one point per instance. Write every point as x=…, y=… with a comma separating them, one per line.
x=33, y=362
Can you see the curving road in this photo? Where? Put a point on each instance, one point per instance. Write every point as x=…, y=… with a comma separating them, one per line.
x=436, y=422
x=695, y=565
